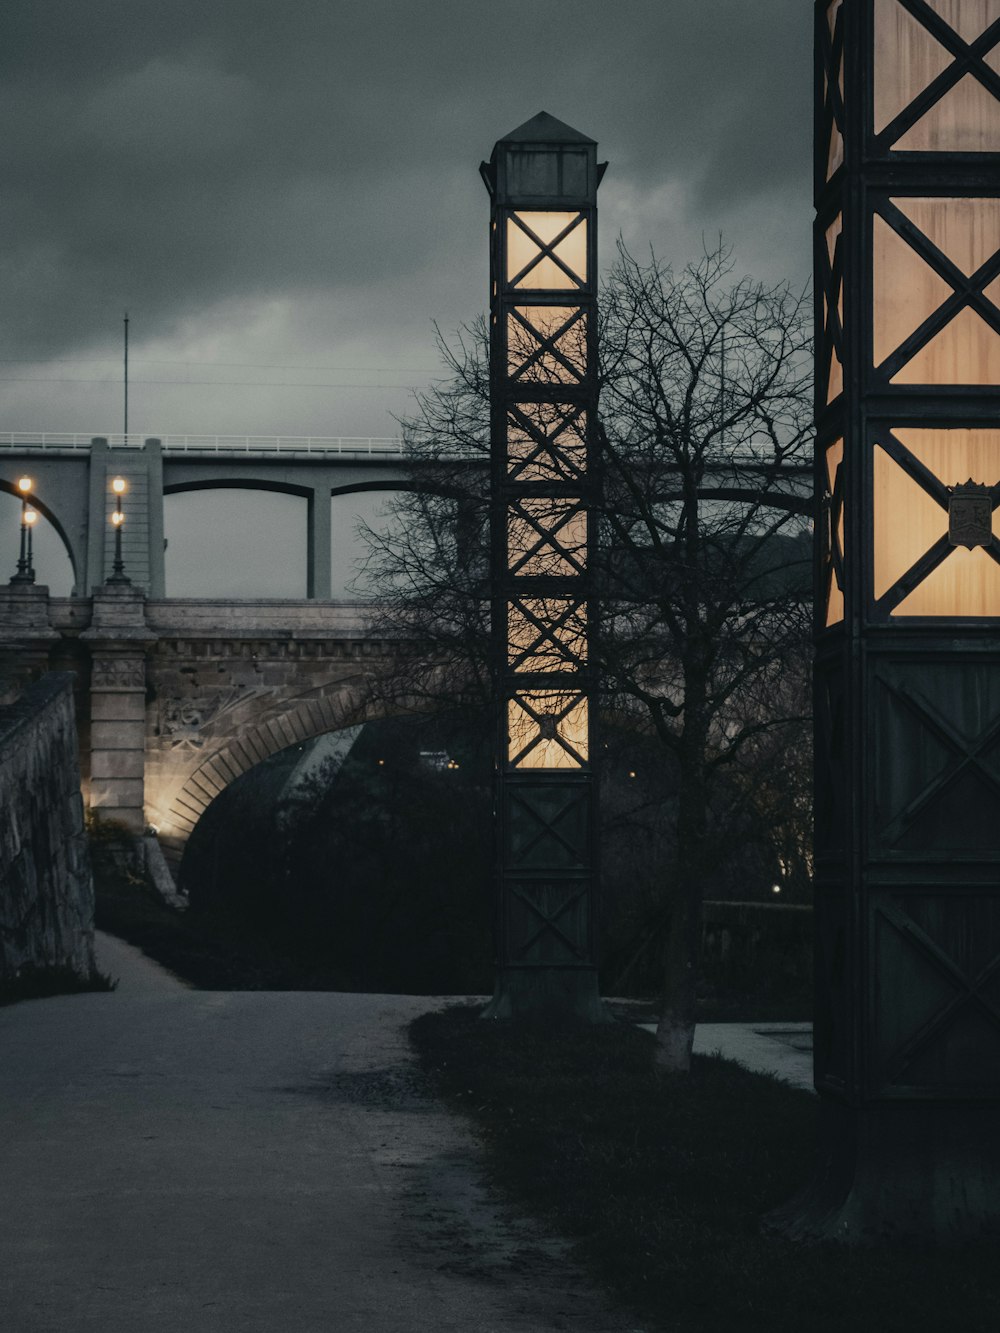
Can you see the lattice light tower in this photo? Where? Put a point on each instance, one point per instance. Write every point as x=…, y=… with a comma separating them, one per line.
x=907, y=255
x=543, y=180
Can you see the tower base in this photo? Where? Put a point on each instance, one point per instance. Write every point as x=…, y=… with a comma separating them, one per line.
x=913, y=1171
x=553, y=993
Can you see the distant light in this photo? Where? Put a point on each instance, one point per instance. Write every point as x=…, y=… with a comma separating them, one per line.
x=118, y=485
x=30, y=515
x=24, y=485
x=775, y=888
x=381, y=763
x=631, y=772
x=452, y=763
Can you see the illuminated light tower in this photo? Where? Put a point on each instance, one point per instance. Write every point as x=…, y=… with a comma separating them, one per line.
x=29, y=515
x=543, y=180
x=118, y=574
x=907, y=686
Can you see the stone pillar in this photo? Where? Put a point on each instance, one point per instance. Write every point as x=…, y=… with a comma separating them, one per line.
x=319, y=577
x=118, y=640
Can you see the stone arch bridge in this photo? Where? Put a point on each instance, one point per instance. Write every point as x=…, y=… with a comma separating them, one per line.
x=176, y=699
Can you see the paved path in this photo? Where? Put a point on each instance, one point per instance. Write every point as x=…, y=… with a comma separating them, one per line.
x=182, y=1161
x=783, y=1050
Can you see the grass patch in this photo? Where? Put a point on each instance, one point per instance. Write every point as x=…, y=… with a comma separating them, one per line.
x=38, y=983
x=660, y=1182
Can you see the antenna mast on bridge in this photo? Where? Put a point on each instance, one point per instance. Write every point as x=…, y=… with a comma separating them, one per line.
x=126, y=378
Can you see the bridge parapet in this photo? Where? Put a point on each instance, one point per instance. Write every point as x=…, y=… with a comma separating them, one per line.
x=335, y=445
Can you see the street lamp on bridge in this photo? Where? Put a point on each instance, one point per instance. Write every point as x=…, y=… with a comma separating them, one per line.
x=25, y=568
x=118, y=574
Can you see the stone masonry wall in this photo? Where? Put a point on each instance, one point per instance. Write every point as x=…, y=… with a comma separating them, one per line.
x=46, y=888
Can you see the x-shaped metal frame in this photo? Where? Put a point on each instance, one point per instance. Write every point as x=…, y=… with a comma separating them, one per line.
x=942, y=548
x=547, y=451
x=548, y=630
x=547, y=827
x=968, y=59
x=549, y=920
x=547, y=345
x=969, y=990
x=966, y=291
x=967, y=755
x=548, y=536
x=547, y=248
x=548, y=723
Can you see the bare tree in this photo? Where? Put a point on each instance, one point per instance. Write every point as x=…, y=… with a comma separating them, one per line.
x=704, y=435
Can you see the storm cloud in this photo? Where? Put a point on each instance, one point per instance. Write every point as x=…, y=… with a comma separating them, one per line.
x=285, y=196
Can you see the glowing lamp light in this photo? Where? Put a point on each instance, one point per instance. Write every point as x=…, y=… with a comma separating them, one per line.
x=118, y=574
x=25, y=569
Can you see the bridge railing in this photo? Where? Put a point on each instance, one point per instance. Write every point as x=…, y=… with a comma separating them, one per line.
x=355, y=446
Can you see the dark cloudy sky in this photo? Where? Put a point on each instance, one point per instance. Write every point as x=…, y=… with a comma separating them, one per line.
x=285, y=196
x=282, y=192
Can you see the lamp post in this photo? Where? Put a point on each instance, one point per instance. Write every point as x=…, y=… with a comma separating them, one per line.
x=118, y=574
x=25, y=569
x=542, y=179
x=907, y=684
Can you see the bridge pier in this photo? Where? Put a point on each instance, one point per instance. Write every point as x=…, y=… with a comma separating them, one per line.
x=118, y=640
x=319, y=574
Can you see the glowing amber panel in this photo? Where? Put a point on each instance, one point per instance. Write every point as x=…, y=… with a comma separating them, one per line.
x=547, y=729
x=546, y=634
x=969, y=18
x=546, y=536
x=547, y=344
x=966, y=351
x=965, y=118
x=907, y=291
x=908, y=522
x=530, y=265
x=546, y=442
x=907, y=59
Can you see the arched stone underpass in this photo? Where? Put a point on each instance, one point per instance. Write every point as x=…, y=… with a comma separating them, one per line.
x=245, y=734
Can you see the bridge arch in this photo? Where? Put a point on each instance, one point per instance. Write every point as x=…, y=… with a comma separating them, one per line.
x=209, y=758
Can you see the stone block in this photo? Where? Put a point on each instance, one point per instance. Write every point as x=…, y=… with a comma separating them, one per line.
x=110, y=795
x=118, y=735
x=116, y=764
x=118, y=707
